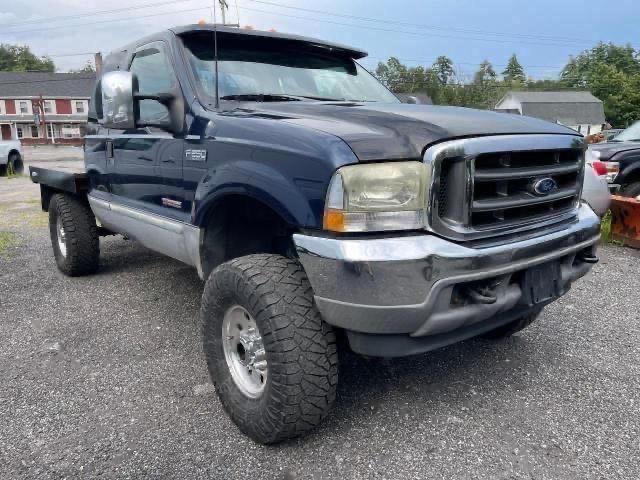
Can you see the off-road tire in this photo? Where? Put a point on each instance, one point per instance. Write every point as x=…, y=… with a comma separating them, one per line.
x=631, y=190
x=300, y=347
x=81, y=235
x=510, y=328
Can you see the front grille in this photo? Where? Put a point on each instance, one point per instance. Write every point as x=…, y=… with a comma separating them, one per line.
x=503, y=185
x=493, y=185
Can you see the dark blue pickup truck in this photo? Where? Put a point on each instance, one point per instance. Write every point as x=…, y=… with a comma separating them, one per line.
x=317, y=207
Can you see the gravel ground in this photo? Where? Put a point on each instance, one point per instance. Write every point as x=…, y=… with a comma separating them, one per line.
x=104, y=376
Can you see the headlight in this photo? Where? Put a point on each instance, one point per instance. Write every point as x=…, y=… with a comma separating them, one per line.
x=377, y=197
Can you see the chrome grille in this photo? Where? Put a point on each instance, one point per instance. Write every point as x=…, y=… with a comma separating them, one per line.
x=486, y=186
x=503, y=185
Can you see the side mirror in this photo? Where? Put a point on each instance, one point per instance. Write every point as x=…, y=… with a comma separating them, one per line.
x=118, y=106
x=413, y=100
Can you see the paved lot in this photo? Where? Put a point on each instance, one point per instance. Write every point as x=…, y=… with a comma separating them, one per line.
x=104, y=376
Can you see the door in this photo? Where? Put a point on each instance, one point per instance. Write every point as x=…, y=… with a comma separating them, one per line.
x=146, y=163
x=6, y=131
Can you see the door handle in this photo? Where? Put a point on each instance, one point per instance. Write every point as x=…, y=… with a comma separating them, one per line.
x=146, y=159
x=168, y=160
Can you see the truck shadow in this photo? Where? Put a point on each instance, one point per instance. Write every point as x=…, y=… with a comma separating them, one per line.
x=447, y=379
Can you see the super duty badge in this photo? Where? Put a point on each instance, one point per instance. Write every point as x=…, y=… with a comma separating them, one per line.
x=194, y=155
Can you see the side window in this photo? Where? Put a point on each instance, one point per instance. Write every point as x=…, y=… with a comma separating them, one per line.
x=155, y=75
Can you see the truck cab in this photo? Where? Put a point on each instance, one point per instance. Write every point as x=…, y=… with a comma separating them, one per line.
x=316, y=206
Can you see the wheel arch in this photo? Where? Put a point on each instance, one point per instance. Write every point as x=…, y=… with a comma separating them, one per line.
x=237, y=224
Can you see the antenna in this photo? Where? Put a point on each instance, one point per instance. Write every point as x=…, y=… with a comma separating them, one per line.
x=215, y=55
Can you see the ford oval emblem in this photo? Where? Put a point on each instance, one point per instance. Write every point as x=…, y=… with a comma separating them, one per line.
x=544, y=186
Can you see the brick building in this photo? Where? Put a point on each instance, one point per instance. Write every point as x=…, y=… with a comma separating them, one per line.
x=65, y=99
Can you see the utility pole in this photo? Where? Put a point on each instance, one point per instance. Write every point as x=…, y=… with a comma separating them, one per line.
x=223, y=8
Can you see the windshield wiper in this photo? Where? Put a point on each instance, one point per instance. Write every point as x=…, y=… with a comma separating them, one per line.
x=273, y=97
x=261, y=97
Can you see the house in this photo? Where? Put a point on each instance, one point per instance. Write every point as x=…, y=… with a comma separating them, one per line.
x=580, y=111
x=41, y=107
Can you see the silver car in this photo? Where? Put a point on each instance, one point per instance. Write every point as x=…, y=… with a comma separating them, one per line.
x=595, y=190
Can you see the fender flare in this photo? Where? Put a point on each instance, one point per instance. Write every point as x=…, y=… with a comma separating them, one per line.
x=262, y=183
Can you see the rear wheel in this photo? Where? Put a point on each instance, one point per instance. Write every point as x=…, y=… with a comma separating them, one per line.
x=14, y=164
x=272, y=359
x=515, y=326
x=631, y=190
x=74, y=235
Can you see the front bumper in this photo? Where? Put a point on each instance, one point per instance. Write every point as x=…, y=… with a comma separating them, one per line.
x=408, y=286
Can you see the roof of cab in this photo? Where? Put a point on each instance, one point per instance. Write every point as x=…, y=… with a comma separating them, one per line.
x=209, y=27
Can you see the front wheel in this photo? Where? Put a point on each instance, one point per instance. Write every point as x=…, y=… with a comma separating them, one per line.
x=272, y=359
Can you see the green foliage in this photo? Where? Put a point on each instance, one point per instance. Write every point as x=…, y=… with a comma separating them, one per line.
x=514, y=71
x=88, y=68
x=18, y=58
x=611, y=73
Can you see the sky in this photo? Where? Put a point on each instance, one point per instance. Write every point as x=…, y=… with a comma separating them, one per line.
x=543, y=34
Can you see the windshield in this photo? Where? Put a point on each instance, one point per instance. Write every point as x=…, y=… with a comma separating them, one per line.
x=631, y=134
x=259, y=69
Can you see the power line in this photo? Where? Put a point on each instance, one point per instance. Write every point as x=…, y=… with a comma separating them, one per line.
x=93, y=13
x=110, y=20
x=425, y=62
x=419, y=34
x=419, y=25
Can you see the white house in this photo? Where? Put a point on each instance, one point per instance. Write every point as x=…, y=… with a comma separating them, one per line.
x=580, y=111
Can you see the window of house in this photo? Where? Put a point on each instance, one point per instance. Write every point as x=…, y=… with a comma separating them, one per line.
x=79, y=106
x=49, y=106
x=50, y=130
x=23, y=106
x=19, y=131
x=34, y=131
x=2, y=109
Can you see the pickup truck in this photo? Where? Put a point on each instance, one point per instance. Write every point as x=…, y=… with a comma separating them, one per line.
x=10, y=157
x=319, y=210
x=618, y=161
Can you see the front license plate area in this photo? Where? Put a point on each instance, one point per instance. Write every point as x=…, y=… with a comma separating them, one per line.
x=541, y=283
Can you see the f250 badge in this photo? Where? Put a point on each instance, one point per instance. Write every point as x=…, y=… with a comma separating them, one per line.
x=194, y=155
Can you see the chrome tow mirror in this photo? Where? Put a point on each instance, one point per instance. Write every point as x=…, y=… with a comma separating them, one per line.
x=118, y=106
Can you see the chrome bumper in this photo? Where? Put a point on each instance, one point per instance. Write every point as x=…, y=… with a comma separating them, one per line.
x=404, y=285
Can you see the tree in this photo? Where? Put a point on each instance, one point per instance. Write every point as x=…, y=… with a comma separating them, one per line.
x=485, y=74
x=612, y=73
x=88, y=68
x=443, y=68
x=514, y=71
x=19, y=58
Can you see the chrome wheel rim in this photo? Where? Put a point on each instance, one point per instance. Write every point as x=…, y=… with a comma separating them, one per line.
x=62, y=244
x=244, y=351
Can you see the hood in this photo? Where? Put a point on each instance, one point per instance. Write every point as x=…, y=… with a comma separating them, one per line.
x=609, y=149
x=377, y=131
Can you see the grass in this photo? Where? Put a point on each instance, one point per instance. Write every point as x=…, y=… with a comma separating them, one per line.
x=605, y=230
x=605, y=227
x=16, y=215
x=7, y=240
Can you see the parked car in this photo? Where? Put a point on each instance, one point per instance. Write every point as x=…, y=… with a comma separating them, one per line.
x=10, y=157
x=618, y=161
x=317, y=206
x=595, y=190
